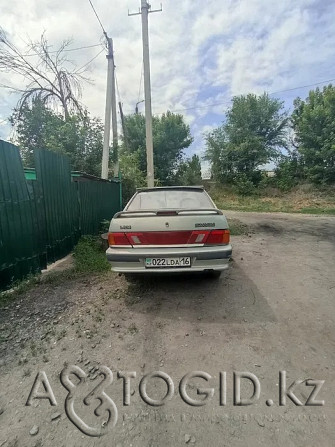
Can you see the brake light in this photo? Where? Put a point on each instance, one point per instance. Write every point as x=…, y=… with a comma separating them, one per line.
x=218, y=237
x=166, y=213
x=118, y=239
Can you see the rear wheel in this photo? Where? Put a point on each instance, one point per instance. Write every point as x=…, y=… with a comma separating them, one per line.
x=214, y=274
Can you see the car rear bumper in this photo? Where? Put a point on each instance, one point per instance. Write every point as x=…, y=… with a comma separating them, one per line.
x=132, y=260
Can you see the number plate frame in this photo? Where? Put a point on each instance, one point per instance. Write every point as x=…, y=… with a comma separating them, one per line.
x=161, y=263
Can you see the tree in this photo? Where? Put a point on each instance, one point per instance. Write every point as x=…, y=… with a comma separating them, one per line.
x=313, y=121
x=36, y=128
x=217, y=154
x=171, y=135
x=79, y=136
x=46, y=74
x=253, y=133
x=132, y=176
x=189, y=172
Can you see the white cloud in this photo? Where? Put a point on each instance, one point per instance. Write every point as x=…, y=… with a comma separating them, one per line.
x=201, y=53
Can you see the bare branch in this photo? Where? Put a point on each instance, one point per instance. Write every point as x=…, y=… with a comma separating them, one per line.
x=47, y=76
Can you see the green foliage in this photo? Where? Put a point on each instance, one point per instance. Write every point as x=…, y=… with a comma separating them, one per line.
x=189, y=172
x=104, y=226
x=89, y=256
x=79, y=136
x=314, y=124
x=243, y=185
x=288, y=172
x=237, y=228
x=132, y=176
x=252, y=135
x=170, y=137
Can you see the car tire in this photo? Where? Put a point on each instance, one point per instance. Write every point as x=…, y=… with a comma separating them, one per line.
x=214, y=274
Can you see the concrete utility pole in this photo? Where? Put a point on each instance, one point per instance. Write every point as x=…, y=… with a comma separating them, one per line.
x=110, y=110
x=145, y=10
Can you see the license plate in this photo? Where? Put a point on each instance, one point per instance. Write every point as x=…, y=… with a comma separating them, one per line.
x=167, y=262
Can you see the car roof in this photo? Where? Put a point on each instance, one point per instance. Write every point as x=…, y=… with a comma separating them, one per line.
x=169, y=188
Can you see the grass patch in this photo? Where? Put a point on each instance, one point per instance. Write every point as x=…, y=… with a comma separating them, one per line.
x=301, y=199
x=89, y=256
x=238, y=228
x=318, y=211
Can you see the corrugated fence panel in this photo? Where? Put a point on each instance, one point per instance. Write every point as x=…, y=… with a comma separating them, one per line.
x=59, y=195
x=99, y=201
x=19, y=255
x=41, y=220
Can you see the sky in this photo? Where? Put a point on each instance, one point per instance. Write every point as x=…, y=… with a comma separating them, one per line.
x=202, y=53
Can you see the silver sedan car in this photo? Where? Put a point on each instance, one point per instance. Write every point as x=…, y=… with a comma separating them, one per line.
x=169, y=229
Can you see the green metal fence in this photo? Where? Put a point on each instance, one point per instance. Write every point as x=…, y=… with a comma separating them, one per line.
x=42, y=219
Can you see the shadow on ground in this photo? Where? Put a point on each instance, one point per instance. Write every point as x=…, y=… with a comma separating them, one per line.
x=234, y=298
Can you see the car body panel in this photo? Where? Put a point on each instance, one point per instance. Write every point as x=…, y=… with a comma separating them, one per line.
x=131, y=258
x=127, y=223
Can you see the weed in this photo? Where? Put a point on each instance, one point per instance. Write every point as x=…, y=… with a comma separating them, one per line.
x=98, y=318
x=26, y=372
x=132, y=329
x=89, y=257
x=238, y=228
x=300, y=199
x=33, y=349
x=318, y=211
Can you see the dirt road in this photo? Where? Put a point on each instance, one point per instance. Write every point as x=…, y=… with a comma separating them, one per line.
x=272, y=311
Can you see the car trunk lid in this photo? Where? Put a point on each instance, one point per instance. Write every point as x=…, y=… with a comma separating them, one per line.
x=168, y=228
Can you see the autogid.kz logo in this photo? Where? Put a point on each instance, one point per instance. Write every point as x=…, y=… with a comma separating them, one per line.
x=104, y=412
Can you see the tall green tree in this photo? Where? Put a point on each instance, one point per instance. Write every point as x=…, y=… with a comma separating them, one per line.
x=189, y=172
x=254, y=131
x=79, y=136
x=314, y=125
x=171, y=135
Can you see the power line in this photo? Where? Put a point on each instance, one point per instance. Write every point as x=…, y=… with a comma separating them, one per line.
x=302, y=86
x=91, y=60
x=96, y=15
x=139, y=89
x=69, y=49
x=117, y=88
x=228, y=102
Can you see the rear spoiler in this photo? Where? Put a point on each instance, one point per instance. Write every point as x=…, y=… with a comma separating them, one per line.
x=170, y=213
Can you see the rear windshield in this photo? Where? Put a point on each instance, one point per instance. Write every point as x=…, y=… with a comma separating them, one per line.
x=179, y=199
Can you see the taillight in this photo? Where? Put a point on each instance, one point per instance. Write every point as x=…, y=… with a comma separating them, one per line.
x=137, y=238
x=198, y=237
x=218, y=237
x=211, y=237
x=118, y=239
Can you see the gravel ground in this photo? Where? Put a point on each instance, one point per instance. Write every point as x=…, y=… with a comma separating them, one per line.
x=272, y=311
